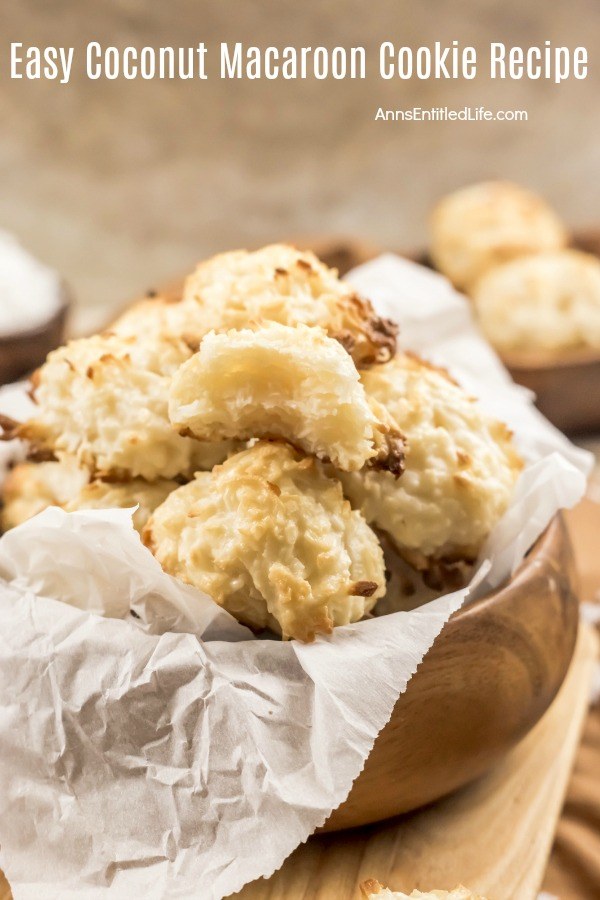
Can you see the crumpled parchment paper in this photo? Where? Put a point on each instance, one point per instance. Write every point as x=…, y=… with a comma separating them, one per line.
x=165, y=755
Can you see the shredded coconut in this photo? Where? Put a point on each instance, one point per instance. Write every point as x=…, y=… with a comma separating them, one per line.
x=29, y=291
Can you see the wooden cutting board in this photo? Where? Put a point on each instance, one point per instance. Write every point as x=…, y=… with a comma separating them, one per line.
x=583, y=524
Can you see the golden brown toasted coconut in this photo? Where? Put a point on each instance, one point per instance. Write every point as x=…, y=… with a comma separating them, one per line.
x=39, y=441
x=371, y=888
x=363, y=588
x=281, y=284
x=370, y=339
x=240, y=533
x=34, y=380
x=282, y=381
x=41, y=454
x=10, y=428
x=389, y=442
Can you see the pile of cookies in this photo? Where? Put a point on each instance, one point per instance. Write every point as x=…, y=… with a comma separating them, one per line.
x=510, y=252
x=272, y=436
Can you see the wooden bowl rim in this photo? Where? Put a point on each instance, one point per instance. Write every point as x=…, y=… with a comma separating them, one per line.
x=543, y=360
x=534, y=617
x=65, y=301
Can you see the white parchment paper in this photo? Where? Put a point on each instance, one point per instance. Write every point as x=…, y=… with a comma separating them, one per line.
x=164, y=754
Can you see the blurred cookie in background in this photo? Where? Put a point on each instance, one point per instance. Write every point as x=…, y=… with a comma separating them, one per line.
x=484, y=225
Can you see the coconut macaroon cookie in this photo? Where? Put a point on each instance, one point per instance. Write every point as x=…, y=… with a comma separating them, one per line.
x=269, y=536
x=487, y=224
x=158, y=317
x=31, y=487
x=294, y=383
x=373, y=890
x=460, y=466
x=107, y=495
x=548, y=301
x=104, y=399
x=282, y=284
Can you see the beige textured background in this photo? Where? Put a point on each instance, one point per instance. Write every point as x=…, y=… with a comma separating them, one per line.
x=121, y=184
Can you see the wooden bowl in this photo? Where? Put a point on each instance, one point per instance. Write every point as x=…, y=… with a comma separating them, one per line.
x=490, y=676
x=488, y=679
x=566, y=386
x=22, y=352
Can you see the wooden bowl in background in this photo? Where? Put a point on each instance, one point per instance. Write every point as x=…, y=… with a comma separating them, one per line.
x=342, y=253
x=24, y=351
x=566, y=386
x=490, y=676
